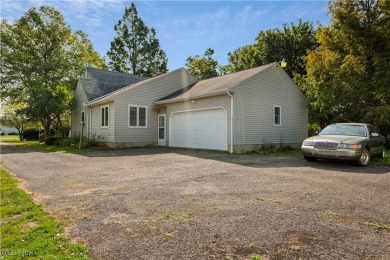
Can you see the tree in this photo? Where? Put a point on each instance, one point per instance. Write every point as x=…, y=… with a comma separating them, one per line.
x=243, y=58
x=203, y=67
x=292, y=43
x=11, y=117
x=41, y=61
x=348, y=77
x=135, y=49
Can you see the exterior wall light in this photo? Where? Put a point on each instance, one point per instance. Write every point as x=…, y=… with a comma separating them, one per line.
x=283, y=63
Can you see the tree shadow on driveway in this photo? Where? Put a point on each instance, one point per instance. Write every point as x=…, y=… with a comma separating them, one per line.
x=248, y=160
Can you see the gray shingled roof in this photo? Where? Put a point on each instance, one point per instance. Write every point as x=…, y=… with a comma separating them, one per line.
x=214, y=85
x=103, y=82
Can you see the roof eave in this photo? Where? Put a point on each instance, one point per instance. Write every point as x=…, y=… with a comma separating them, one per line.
x=185, y=98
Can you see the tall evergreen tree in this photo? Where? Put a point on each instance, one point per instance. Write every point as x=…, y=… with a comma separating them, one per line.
x=135, y=49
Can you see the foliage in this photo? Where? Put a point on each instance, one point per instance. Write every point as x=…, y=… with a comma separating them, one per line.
x=256, y=257
x=29, y=232
x=31, y=134
x=135, y=49
x=348, y=76
x=274, y=148
x=203, y=67
x=313, y=128
x=65, y=142
x=11, y=116
x=42, y=147
x=377, y=225
x=292, y=43
x=41, y=61
x=243, y=58
x=52, y=140
x=87, y=141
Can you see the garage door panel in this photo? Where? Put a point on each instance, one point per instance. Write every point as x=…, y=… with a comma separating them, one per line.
x=199, y=129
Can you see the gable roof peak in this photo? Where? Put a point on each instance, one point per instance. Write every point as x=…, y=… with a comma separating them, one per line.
x=98, y=82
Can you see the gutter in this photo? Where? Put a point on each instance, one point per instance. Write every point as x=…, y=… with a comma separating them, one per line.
x=231, y=122
x=184, y=98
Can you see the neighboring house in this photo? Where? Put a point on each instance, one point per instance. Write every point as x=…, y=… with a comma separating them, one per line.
x=236, y=112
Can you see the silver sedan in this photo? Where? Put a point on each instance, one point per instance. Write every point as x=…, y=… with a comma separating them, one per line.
x=345, y=141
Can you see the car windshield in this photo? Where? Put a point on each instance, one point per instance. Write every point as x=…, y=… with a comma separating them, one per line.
x=351, y=130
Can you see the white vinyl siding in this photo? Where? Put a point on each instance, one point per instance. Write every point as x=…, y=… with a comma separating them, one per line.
x=144, y=96
x=107, y=133
x=277, y=115
x=138, y=116
x=254, y=115
x=105, y=117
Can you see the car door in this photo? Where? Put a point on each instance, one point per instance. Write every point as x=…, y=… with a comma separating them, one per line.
x=375, y=141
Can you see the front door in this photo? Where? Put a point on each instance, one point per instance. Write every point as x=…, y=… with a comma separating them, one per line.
x=161, y=130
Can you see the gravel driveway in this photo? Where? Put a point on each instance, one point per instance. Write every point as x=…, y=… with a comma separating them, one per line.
x=161, y=203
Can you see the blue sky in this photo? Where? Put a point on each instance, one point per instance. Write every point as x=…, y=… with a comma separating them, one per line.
x=184, y=28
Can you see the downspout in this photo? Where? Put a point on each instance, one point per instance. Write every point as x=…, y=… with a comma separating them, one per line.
x=231, y=122
x=89, y=121
x=89, y=128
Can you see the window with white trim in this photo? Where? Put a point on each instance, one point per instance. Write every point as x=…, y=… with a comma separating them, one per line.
x=277, y=115
x=104, y=117
x=137, y=116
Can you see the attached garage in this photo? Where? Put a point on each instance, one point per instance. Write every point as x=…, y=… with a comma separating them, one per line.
x=203, y=128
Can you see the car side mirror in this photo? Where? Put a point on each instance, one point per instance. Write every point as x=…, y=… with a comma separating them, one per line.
x=316, y=132
x=374, y=134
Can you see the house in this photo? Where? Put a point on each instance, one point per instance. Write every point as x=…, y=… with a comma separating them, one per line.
x=236, y=112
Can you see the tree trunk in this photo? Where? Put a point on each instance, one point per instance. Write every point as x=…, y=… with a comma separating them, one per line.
x=46, y=122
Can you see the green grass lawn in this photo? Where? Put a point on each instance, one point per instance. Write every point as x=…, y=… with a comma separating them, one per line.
x=382, y=161
x=27, y=231
x=35, y=145
x=298, y=154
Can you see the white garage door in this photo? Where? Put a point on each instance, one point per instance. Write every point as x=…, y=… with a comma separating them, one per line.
x=199, y=129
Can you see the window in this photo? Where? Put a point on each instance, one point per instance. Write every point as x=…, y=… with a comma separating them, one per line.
x=82, y=117
x=104, y=123
x=137, y=116
x=372, y=130
x=277, y=115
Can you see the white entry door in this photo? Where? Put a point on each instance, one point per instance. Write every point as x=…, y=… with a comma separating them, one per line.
x=161, y=130
x=206, y=128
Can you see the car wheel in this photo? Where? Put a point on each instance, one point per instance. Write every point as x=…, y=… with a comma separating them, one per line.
x=310, y=158
x=383, y=153
x=364, y=159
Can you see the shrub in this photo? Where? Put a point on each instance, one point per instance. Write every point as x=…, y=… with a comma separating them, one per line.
x=93, y=141
x=31, y=134
x=275, y=148
x=52, y=140
x=65, y=142
x=313, y=128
